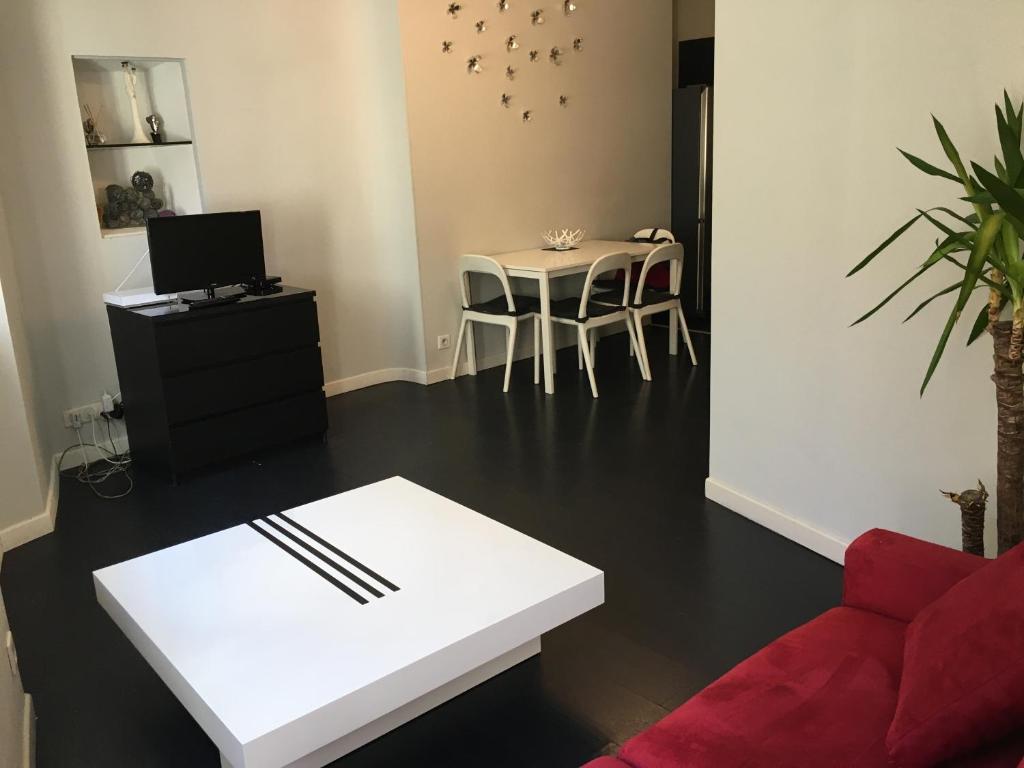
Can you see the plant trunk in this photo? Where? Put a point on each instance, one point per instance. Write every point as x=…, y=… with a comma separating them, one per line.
x=1009, y=381
x=973, y=528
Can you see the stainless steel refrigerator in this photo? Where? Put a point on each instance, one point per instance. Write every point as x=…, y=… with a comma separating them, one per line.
x=693, y=107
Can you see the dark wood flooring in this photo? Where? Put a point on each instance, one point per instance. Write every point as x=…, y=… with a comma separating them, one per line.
x=691, y=588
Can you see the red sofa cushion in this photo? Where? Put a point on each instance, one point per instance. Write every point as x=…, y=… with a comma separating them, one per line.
x=822, y=695
x=963, y=676
x=898, y=576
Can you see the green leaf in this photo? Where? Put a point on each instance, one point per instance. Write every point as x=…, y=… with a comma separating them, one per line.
x=938, y=224
x=928, y=168
x=980, y=325
x=888, y=241
x=952, y=153
x=975, y=265
x=892, y=295
x=953, y=243
x=930, y=299
x=1010, y=200
x=970, y=220
x=1001, y=169
x=1010, y=143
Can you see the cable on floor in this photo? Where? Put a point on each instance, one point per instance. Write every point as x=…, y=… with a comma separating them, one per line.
x=111, y=464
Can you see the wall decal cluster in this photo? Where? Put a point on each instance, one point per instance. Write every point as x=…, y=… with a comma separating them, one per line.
x=512, y=43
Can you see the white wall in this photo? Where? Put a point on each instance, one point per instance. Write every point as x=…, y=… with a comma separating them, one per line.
x=485, y=182
x=299, y=110
x=23, y=474
x=809, y=418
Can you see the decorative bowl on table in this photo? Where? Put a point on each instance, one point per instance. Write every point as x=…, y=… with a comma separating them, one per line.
x=564, y=240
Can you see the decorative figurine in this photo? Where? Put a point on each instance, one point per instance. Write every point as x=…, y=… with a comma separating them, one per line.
x=142, y=181
x=93, y=136
x=131, y=79
x=153, y=121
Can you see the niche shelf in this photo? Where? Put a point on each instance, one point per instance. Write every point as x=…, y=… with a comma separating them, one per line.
x=161, y=89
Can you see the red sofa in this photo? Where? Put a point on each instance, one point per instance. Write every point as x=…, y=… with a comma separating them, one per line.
x=825, y=694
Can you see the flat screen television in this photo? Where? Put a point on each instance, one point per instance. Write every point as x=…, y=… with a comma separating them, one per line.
x=203, y=251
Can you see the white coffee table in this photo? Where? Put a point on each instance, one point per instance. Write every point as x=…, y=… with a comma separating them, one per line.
x=301, y=637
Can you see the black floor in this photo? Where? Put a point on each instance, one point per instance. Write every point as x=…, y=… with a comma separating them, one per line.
x=691, y=588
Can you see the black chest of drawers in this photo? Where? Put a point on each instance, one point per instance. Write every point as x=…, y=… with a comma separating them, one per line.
x=206, y=385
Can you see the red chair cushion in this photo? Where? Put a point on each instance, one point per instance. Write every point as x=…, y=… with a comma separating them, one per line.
x=963, y=671
x=822, y=695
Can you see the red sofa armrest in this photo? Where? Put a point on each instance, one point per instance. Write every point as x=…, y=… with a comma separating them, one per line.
x=896, y=575
x=606, y=762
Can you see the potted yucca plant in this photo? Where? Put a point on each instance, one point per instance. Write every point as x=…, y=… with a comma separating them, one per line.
x=982, y=247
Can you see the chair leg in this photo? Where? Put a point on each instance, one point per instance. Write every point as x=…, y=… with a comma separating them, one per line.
x=582, y=334
x=636, y=324
x=458, y=347
x=579, y=356
x=686, y=334
x=511, y=334
x=593, y=347
x=536, y=350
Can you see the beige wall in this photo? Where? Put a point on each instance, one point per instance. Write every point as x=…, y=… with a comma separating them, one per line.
x=694, y=19
x=810, y=418
x=23, y=473
x=299, y=110
x=485, y=182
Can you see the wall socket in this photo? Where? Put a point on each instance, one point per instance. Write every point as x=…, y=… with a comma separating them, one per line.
x=444, y=342
x=85, y=414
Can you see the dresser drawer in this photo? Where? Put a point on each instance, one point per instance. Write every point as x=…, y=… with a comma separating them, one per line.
x=239, y=433
x=210, y=391
x=202, y=342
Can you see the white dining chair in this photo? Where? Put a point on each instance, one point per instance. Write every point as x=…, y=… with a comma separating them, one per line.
x=588, y=315
x=506, y=310
x=650, y=301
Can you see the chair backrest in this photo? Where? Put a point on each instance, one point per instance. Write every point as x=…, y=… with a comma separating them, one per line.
x=660, y=255
x=471, y=263
x=655, y=235
x=610, y=262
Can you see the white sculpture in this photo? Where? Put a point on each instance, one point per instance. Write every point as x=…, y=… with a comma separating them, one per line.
x=131, y=78
x=565, y=239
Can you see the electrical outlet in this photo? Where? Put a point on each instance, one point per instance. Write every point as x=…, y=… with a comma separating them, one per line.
x=444, y=342
x=74, y=418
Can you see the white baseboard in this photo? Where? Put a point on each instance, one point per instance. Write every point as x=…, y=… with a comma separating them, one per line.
x=373, y=378
x=794, y=529
x=28, y=733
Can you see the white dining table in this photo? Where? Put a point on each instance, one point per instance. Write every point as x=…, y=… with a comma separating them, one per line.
x=545, y=265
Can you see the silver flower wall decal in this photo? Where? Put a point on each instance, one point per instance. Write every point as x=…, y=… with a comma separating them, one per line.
x=563, y=101
x=473, y=65
x=527, y=116
x=556, y=55
x=512, y=43
x=537, y=17
x=446, y=46
x=481, y=26
x=506, y=100
x=570, y=7
x=503, y=5
x=577, y=44
x=510, y=73
x=453, y=10
x=534, y=55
